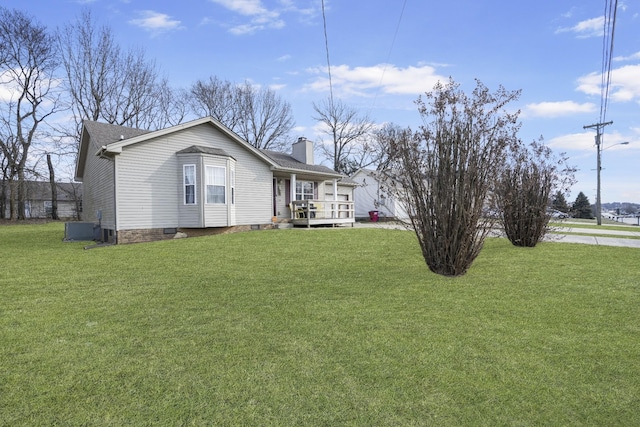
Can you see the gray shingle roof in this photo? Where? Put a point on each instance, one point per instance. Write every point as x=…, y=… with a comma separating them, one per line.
x=105, y=133
x=204, y=150
x=288, y=162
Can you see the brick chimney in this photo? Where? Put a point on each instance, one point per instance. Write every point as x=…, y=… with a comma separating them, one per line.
x=303, y=150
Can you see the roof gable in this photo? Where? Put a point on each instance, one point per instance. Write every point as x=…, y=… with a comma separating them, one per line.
x=95, y=135
x=107, y=139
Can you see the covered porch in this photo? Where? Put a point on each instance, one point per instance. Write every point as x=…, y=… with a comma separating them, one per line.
x=322, y=212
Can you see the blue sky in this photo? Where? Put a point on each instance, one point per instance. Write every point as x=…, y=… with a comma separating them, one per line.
x=384, y=53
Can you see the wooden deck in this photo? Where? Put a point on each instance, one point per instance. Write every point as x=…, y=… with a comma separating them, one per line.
x=322, y=212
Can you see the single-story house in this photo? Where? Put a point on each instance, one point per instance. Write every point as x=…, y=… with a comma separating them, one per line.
x=39, y=199
x=141, y=185
x=370, y=194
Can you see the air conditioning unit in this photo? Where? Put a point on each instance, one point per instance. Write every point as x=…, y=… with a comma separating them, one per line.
x=79, y=231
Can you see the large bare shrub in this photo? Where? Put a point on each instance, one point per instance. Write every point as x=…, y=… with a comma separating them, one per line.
x=525, y=189
x=446, y=169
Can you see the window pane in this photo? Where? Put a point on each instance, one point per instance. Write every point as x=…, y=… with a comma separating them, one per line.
x=190, y=194
x=215, y=194
x=304, y=190
x=189, y=175
x=216, y=184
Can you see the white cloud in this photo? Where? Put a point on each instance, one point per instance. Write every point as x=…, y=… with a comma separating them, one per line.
x=260, y=17
x=284, y=58
x=155, y=22
x=586, y=141
x=385, y=78
x=624, y=86
x=558, y=109
x=243, y=7
x=593, y=27
x=632, y=57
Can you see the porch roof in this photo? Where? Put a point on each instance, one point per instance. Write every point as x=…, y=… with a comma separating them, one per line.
x=287, y=163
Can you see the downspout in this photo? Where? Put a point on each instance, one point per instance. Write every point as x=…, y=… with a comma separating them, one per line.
x=115, y=200
x=102, y=154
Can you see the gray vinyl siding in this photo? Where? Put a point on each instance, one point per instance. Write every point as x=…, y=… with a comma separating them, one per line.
x=147, y=186
x=218, y=214
x=99, y=192
x=189, y=216
x=149, y=180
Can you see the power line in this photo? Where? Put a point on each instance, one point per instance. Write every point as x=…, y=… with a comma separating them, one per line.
x=393, y=42
x=610, y=11
x=326, y=45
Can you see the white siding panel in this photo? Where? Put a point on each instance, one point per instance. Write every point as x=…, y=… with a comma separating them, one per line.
x=366, y=194
x=147, y=185
x=149, y=180
x=98, y=189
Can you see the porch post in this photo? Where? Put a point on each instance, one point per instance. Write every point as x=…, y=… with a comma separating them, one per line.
x=335, y=206
x=292, y=194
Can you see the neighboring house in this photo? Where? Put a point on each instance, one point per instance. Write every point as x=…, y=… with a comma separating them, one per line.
x=141, y=186
x=39, y=203
x=370, y=195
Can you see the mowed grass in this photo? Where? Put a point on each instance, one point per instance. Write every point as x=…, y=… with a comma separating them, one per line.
x=314, y=327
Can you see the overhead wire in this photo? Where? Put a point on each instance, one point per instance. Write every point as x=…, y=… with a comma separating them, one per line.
x=326, y=45
x=393, y=42
x=610, y=11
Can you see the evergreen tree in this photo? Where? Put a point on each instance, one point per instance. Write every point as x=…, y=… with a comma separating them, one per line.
x=582, y=207
x=559, y=203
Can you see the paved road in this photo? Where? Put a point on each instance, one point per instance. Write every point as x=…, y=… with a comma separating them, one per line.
x=604, y=238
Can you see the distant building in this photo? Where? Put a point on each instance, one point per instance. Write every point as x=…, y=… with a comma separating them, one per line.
x=370, y=195
x=39, y=203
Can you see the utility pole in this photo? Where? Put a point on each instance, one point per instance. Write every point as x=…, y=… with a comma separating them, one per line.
x=598, y=127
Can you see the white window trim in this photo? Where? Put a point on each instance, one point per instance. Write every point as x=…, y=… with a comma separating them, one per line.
x=184, y=185
x=223, y=185
x=302, y=193
x=232, y=179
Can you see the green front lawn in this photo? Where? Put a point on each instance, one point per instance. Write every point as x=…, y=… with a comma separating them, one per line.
x=314, y=327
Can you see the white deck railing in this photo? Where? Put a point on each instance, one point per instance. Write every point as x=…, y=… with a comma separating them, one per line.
x=311, y=212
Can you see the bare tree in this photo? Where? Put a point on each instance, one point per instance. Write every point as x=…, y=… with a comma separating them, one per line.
x=215, y=98
x=28, y=61
x=258, y=115
x=109, y=84
x=447, y=168
x=524, y=191
x=349, y=132
x=265, y=119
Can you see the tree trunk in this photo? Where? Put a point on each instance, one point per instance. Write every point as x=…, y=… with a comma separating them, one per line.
x=13, y=205
x=3, y=198
x=54, y=189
